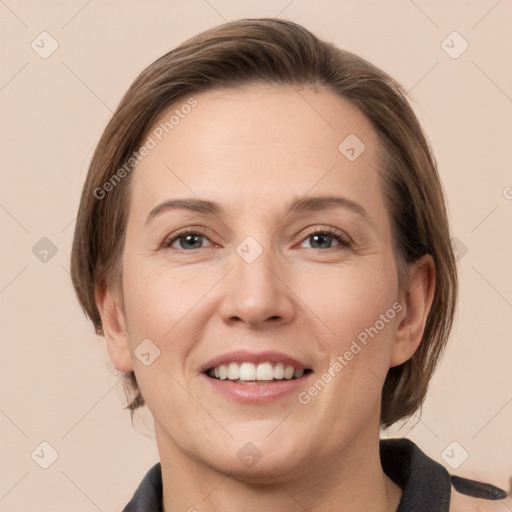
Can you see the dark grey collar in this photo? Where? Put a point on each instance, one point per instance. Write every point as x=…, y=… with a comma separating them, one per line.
x=425, y=483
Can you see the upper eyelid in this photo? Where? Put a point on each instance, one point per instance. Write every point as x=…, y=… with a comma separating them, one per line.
x=326, y=229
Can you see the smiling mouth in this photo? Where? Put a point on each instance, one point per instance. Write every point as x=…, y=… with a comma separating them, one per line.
x=250, y=373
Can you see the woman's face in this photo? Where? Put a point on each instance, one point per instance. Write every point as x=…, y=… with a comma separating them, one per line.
x=278, y=254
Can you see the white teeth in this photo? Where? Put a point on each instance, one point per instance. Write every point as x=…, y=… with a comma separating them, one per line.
x=265, y=372
x=279, y=371
x=247, y=371
x=288, y=372
x=299, y=372
x=233, y=371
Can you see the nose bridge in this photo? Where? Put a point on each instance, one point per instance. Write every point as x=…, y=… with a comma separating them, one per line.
x=255, y=292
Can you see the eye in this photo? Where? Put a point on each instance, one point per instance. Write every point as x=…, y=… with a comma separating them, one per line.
x=326, y=238
x=187, y=240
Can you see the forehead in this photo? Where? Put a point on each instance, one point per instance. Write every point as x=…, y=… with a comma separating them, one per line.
x=260, y=142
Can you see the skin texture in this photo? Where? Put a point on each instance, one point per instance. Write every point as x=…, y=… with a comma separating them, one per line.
x=253, y=151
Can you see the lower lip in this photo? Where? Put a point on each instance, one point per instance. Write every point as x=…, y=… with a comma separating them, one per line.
x=256, y=393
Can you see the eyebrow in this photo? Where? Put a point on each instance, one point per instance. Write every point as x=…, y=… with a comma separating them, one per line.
x=298, y=205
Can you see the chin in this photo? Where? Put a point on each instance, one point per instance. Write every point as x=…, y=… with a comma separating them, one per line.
x=262, y=458
x=265, y=471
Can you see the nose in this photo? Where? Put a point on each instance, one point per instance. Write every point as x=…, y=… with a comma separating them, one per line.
x=257, y=293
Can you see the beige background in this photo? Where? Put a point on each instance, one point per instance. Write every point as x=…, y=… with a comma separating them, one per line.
x=56, y=384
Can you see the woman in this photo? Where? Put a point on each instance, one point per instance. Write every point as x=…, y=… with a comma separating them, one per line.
x=262, y=240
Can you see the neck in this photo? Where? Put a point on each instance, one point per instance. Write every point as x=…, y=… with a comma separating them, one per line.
x=352, y=480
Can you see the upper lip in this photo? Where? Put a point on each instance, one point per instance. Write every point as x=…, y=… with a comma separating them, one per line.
x=241, y=356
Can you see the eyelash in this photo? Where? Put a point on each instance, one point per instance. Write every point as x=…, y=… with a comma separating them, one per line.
x=343, y=240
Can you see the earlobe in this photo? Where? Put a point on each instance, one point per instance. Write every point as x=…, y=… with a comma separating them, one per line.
x=417, y=303
x=116, y=336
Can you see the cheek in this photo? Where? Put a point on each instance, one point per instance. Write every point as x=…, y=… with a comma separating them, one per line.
x=350, y=300
x=159, y=304
x=358, y=304
x=158, y=297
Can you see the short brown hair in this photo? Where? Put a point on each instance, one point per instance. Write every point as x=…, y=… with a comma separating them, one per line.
x=279, y=52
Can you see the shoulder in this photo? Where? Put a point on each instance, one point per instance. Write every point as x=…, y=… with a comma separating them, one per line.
x=472, y=496
x=427, y=485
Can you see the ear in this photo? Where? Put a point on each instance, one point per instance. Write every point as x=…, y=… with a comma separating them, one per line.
x=417, y=302
x=114, y=328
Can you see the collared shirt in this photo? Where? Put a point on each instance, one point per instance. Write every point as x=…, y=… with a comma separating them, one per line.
x=426, y=485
